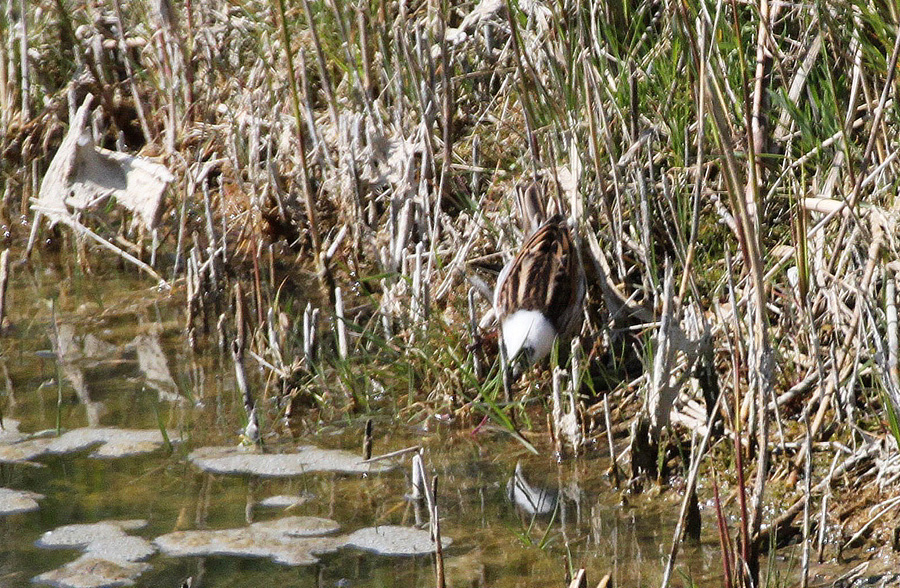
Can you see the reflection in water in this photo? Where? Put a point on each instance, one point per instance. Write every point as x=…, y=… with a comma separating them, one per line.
x=77, y=354
x=532, y=500
x=152, y=363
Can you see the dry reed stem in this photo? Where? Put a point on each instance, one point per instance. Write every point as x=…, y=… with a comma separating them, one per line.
x=4, y=283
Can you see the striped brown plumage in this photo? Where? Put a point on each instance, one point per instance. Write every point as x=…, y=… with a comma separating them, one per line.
x=546, y=276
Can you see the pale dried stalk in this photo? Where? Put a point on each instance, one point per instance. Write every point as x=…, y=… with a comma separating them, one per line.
x=758, y=135
x=339, y=324
x=6, y=100
x=438, y=548
x=25, y=111
x=447, y=122
x=251, y=432
x=660, y=391
x=4, y=280
x=890, y=299
x=310, y=328
x=83, y=230
x=393, y=454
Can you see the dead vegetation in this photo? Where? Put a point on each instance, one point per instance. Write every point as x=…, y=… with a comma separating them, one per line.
x=731, y=169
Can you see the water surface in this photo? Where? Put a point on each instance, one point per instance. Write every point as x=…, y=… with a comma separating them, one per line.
x=109, y=351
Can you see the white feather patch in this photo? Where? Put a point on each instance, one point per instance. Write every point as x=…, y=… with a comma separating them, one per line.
x=528, y=329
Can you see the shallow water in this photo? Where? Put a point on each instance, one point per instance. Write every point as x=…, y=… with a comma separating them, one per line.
x=125, y=363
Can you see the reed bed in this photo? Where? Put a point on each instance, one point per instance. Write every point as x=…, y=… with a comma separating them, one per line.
x=342, y=205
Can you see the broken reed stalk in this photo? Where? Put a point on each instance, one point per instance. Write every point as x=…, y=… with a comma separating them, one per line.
x=58, y=352
x=613, y=466
x=339, y=324
x=210, y=227
x=4, y=281
x=579, y=580
x=25, y=111
x=447, y=123
x=893, y=337
x=83, y=230
x=192, y=291
x=251, y=433
x=367, y=441
x=557, y=411
x=438, y=549
x=310, y=330
x=418, y=478
x=325, y=279
x=394, y=454
x=424, y=490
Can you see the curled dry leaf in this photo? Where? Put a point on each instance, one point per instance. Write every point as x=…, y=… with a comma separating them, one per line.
x=83, y=176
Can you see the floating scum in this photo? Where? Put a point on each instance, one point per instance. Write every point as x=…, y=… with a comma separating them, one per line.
x=296, y=541
x=112, y=556
x=108, y=442
x=306, y=459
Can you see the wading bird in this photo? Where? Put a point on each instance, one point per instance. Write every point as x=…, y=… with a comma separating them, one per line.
x=540, y=293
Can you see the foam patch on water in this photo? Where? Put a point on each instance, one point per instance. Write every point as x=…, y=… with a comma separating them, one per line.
x=9, y=431
x=90, y=572
x=282, y=501
x=306, y=459
x=111, y=556
x=295, y=541
x=394, y=540
x=291, y=540
x=113, y=443
x=23, y=451
x=18, y=501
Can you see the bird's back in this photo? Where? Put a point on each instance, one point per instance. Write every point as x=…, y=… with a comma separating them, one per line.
x=546, y=276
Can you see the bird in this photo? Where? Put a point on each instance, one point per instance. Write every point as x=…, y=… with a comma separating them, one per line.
x=539, y=295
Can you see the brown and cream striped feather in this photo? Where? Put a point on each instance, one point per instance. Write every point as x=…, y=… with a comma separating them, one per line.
x=545, y=276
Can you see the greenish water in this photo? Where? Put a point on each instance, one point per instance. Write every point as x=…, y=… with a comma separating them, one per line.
x=108, y=322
